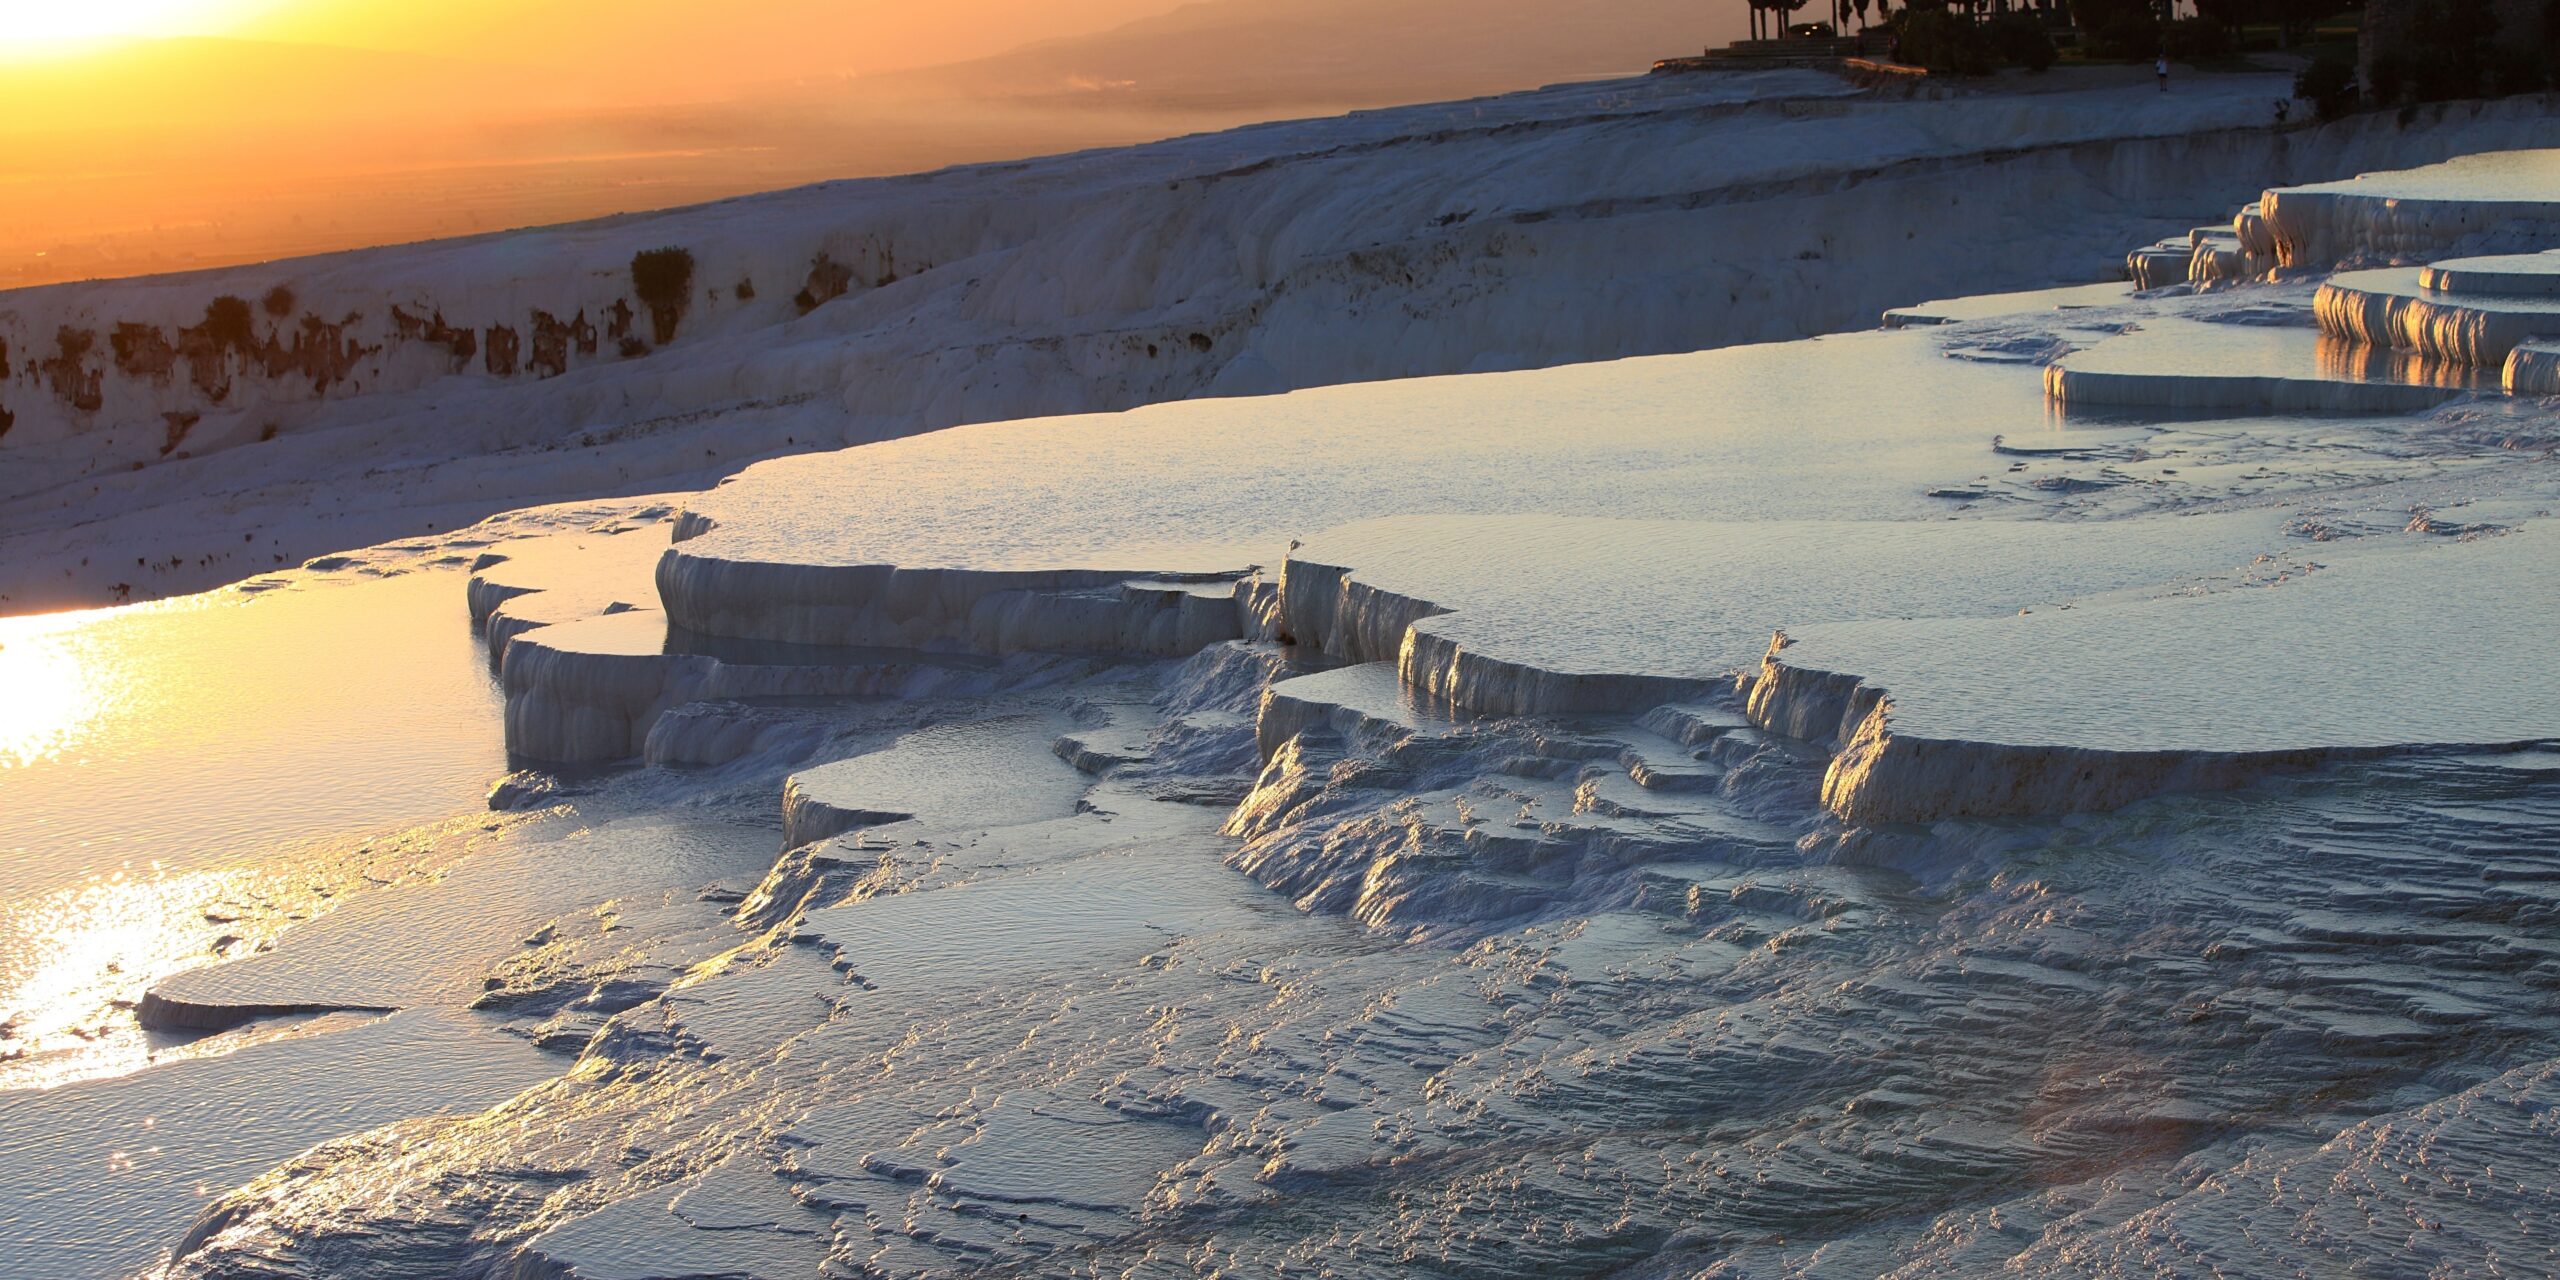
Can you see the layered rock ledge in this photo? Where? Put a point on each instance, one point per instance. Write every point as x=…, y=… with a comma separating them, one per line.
x=1559, y=615
x=2186, y=367
x=2399, y=308
x=2387, y=650
x=2423, y=212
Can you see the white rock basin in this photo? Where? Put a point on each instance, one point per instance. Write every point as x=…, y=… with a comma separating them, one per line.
x=2393, y=307
x=2190, y=366
x=2417, y=212
x=2535, y=275
x=2401, y=647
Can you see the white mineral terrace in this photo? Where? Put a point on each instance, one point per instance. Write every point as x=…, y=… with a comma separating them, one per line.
x=1549, y=614
x=1450, y=531
x=2527, y=274
x=2090, y=707
x=1985, y=306
x=970, y=536
x=2510, y=196
x=545, y=582
x=2487, y=203
x=2393, y=307
x=1016, y=538
x=2203, y=253
x=2533, y=369
x=1559, y=614
x=2187, y=366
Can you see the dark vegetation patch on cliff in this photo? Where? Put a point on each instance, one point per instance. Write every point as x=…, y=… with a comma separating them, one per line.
x=502, y=349
x=208, y=345
x=828, y=281
x=80, y=386
x=552, y=339
x=459, y=344
x=226, y=324
x=141, y=351
x=225, y=340
x=321, y=351
x=663, y=280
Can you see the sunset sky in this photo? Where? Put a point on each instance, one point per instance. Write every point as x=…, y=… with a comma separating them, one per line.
x=152, y=135
x=604, y=45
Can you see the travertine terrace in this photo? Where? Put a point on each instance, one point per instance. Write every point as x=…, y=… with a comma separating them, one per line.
x=2062, y=784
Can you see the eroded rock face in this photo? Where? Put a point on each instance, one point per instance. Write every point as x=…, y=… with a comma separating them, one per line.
x=462, y=343
x=554, y=338
x=236, y=357
x=323, y=352
x=225, y=346
x=142, y=351
x=68, y=373
x=828, y=281
x=503, y=347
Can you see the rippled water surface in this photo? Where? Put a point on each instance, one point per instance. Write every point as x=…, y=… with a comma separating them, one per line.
x=164, y=767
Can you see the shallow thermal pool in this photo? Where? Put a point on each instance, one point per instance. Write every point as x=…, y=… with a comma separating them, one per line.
x=180, y=782
x=164, y=767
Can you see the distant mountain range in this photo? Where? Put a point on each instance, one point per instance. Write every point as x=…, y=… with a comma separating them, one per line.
x=1225, y=53
x=191, y=83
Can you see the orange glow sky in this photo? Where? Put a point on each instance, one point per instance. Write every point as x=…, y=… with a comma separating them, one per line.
x=33, y=28
x=613, y=44
x=141, y=136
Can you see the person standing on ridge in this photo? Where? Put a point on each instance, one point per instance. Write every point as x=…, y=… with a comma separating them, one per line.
x=2161, y=68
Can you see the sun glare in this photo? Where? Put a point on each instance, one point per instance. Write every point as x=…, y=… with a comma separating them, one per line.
x=34, y=27
x=47, y=692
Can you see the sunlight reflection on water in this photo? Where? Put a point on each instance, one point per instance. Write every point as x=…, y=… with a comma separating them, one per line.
x=46, y=686
x=174, y=776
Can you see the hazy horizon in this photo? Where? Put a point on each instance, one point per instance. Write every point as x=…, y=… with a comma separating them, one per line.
x=141, y=151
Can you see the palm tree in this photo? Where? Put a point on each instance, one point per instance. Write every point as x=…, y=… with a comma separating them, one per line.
x=1774, y=23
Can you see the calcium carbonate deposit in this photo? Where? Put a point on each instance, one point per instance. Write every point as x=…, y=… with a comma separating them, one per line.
x=2065, y=784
